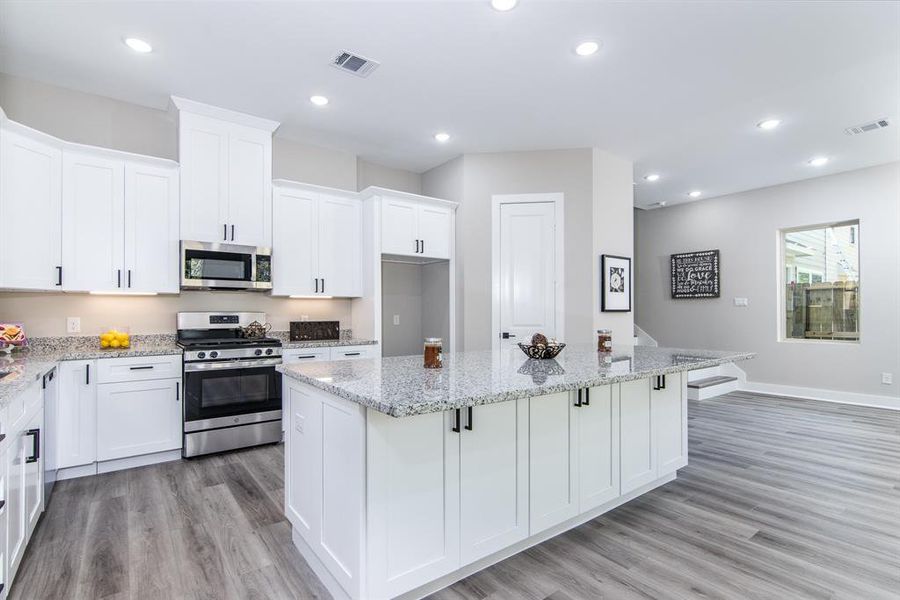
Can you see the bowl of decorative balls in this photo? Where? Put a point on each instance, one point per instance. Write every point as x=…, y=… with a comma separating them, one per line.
x=541, y=348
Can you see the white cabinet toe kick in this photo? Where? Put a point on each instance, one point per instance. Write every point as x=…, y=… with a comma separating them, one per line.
x=384, y=507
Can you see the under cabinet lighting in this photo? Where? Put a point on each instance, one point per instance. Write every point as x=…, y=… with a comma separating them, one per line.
x=442, y=136
x=316, y=297
x=123, y=293
x=139, y=46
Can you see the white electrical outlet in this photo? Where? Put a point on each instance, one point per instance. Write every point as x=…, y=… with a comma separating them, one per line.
x=304, y=317
x=396, y=319
x=887, y=378
x=742, y=302
x=73, y=324
x=298, y=423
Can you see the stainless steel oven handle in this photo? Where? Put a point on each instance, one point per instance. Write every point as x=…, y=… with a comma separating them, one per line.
x=231, y=364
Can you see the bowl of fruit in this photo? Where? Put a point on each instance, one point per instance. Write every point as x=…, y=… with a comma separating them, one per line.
x=541, y=348
x=115, y=340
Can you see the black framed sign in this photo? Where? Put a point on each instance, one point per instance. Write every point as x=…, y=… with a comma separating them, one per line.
x=695, y=274
x=615, y=283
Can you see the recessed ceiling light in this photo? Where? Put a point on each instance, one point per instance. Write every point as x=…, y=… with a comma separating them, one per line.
x=138, y=45
x=442, y=136
x=769, y=124
x=318, y=100
x=504, y=5
x=695, y=194
x=586, y=48
x=818, y=161
x=651, y=177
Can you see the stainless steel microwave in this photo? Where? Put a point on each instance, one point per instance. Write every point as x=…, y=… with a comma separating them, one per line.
x=208, y=266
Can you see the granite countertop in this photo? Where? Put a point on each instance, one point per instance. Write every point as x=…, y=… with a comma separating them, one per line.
x=400, y=386
x=21, y=371
x=289, y=345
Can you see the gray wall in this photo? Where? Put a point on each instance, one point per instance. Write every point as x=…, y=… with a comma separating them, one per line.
x=100, y=121
x=369, y=173
x=744, y=227
x=418, y=294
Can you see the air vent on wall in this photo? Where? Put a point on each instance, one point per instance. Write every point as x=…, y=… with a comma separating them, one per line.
x=353, y=63
x=866, y=127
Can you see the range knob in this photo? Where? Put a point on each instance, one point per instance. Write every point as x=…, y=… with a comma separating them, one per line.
x=201, y=355
x=213, y=354
x=257, y=352
x=268, y=351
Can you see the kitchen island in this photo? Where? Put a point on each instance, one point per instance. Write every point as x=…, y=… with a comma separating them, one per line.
x=400, y=480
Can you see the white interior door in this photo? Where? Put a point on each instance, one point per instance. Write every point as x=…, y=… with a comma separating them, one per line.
x=527, y=271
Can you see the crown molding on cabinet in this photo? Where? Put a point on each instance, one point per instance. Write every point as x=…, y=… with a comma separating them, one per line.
x=183, y=104
x=374, y=190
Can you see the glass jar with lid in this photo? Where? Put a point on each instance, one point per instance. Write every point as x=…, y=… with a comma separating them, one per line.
x=434, y=353
x=604, y=340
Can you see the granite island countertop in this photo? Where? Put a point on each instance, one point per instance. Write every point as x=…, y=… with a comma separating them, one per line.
x=401, y=387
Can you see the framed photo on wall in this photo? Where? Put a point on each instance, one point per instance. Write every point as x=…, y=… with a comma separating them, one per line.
x=615, y=282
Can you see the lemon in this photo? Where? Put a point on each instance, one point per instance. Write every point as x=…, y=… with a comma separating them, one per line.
x=126, y=343
x=115, y=344
x=122, y=337
x=104, y=343
x=105, y=337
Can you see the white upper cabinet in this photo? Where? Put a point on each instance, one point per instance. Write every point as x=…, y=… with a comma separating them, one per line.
x=316, y=247
x=30, y=201
x=226, y=175
x=151, y=228
x=93, y=216
x=415, y=227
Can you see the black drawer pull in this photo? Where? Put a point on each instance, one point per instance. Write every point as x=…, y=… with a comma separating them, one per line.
x=352, y=353
x=306, y=356
x=2, y=436
x=36, y=434
x=143, y=368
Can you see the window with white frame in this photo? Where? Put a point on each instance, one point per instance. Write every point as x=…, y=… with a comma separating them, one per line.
x=820, y=267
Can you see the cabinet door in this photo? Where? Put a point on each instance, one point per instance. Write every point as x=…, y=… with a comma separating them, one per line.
x=398, y=227
x=413, y=506
x=17, y=524
x=638, y=447
x=295, y=265
x=77, y=413
x=4, y=518
x=493, y=467
x=151, y=228
x=138, y=417
x=434, y=230
x=340, y=250
x=598, y=446
x=203, y=154
x=31, y=211
x=249, y=186
x=34, y=471
x=553, y=495
x=670, y=416
x=93, y=202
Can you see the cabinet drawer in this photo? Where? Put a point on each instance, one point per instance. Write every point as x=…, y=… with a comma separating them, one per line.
x=138, y=368
x=295, y=355
x=353, y=352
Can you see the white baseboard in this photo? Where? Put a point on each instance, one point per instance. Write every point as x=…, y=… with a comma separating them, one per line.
x=873, y=400
x=107, y=466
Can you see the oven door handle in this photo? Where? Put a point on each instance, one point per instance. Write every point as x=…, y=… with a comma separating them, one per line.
x=231, y=364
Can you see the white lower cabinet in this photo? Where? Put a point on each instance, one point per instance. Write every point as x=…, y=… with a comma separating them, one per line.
x=353, y=352
x=34, y=470
x=638, y=448
x=4, y=518
x=670, y=417
x=77, y=413
x=16, y=532
x=135, y=418
x=598, y=447
x=553, y=427
x=493, y=473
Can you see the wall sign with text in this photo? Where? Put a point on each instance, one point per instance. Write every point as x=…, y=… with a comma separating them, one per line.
x=695, y=274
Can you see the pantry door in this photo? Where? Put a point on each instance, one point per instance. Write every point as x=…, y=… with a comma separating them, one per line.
x=527, y=267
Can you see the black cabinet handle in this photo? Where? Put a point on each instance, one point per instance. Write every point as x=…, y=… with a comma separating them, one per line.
x=306, y=356
x=177, y=391
x=317, y=284
x=352, y=353
x=663, y=382
x=129, y=277
x=2, y=436
x=225, y=232
x=455, y=428
x=232, y=233
x=417, y=247
x=423, y=247
x=2, y=504
x=587, y=396
x=119, y=277
x=58, y=275
x=469, y=418
x=141, y=368
x=36, y=454
x=87, y=374
x=578, y=401
x=323, y=285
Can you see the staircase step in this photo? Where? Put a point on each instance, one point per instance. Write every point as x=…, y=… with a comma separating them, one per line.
x=710, y=381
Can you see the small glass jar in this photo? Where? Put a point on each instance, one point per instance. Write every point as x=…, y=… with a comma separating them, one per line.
x=604, y=340
x=434, y=353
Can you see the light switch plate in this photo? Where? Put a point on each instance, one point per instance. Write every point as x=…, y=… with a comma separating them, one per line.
x=396, y=319
x=73, y=324
x=887, y=378
x=742, y=302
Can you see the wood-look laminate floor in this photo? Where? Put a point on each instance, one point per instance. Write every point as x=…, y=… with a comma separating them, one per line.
x=782, y=499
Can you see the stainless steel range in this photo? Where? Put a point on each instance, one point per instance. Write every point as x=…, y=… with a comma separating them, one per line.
x=232, y=393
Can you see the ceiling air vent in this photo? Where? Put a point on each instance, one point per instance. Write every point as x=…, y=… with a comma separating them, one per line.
x=866, y=127
x=353, y=63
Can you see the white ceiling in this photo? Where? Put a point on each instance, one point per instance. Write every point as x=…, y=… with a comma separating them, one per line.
x=677, y=87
